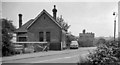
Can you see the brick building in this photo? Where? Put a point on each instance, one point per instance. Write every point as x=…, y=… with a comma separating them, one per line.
x=44, y=28
x=86, y=39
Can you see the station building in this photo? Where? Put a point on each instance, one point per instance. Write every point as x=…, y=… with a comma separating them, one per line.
x=43, y=28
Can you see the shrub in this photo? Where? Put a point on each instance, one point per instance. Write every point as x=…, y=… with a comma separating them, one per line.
x=7, y=34
x=105, y=54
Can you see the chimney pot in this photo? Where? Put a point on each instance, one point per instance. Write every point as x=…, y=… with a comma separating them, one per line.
x=84, y=31
x=54, y=12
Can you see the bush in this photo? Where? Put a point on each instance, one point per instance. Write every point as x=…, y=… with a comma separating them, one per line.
x=105, y=54
x=7, y=35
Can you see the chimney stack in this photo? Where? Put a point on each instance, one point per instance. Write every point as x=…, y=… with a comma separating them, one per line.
x=54, y=12
x=84, y=31
x=20, y=20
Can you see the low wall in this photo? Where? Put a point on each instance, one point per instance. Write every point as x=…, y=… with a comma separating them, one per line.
x=30, y=46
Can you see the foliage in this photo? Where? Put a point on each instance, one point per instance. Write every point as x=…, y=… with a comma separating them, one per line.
x=119, y=41
x=100, y=41
x=70, y=38
x=7, y=30
x=105, y=54
x=63, y=24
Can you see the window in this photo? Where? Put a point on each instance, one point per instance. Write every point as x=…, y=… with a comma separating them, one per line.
x=48, y=36
x=22, y=39
x=41, y=37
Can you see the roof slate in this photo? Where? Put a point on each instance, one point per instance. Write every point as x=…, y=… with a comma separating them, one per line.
x=23, y=28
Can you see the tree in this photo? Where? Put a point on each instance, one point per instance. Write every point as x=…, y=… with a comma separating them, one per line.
x=70, y=38
x=63, y=24
x=7, y=30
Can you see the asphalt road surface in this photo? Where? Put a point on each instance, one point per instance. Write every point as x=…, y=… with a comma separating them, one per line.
x=72, y=57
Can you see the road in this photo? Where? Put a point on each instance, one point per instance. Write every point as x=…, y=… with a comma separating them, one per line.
x=73, y=57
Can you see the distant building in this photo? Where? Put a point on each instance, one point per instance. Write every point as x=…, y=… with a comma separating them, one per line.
x=44, y=28
x=86, y=39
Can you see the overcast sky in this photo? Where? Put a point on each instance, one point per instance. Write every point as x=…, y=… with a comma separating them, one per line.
x=95, y=17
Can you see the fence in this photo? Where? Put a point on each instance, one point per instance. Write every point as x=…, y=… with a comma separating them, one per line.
x=29, y=47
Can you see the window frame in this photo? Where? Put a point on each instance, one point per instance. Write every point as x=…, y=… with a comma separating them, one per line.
x=22, y=40
x=48, y=36
x=41, y=37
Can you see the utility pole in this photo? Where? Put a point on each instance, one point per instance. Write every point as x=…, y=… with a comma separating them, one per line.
x=115, y=14
x=114, y=29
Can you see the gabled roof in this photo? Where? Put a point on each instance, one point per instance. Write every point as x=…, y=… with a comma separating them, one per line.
x=44, y=11
x=23, y=28
x=30, y=22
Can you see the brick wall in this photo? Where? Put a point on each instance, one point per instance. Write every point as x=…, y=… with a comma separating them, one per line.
x=45, y=24
x=86, y=39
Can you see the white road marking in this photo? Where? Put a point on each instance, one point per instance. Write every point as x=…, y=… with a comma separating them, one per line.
x=55, y=59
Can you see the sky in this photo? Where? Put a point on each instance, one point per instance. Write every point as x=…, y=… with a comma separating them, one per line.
x=96, y=17
x=119, y=19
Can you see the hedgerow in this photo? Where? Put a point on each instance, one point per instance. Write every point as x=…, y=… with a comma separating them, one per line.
x=107, y=53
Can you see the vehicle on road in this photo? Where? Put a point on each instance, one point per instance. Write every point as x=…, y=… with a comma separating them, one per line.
x=74, y=45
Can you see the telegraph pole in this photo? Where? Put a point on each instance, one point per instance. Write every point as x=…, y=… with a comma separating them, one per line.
x=114, y=29
x=115, y=14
